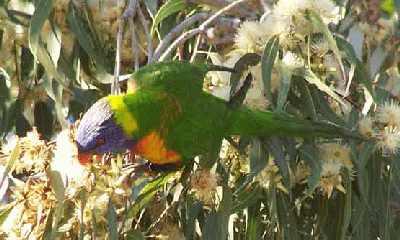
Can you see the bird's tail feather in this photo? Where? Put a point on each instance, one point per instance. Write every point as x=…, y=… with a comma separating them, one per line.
x=246, y=122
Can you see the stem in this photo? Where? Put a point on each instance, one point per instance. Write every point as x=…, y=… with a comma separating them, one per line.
x=189, y=34
x=166, y=41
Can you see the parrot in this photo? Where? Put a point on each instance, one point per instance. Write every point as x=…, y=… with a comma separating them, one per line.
x=170, y=119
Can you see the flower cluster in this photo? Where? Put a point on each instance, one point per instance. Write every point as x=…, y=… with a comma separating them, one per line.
x=33, y=154
x=45, y=178
x=270, y=177
x=204, y=185
x=384, y=127
x=32, y=202
x=290, y=21
x=335, y=158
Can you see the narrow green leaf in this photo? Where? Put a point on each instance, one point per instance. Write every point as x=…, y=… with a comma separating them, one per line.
x=275, y=146
x=135, y=235
x=151, y=6
x=249, y=59
x=257, y=156
x=169, y=8
x=246, y=197
x=239, y=97
x=287, y=217
x=316, y=20
x=27, y=64
x=50, y=67
x=93, y=48
x=57, y=184
x=112, y=222
x=305, y=101
x=12, y=159
x=362, y=157
x=147, y=194
x=311, y=78
x=283, y=89
x=347, y=211
x=376, y=60
x=48, y=229
x=5, y=211
x=193, y=209
x=360, y=75
x=322, y=106
x=356, y=40
x=43, y=9
x=216, y=224
x=267, y=63
x=254, y=219
x=310, y=156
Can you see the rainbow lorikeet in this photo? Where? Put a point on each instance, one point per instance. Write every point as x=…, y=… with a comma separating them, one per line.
x=169, y=119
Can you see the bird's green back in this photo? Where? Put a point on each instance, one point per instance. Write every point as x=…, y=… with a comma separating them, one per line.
x=178, y=78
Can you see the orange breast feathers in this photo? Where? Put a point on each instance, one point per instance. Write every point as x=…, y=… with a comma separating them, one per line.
x=152, y=148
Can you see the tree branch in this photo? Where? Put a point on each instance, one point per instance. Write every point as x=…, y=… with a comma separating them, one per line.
x=166, y=41
x=189, y=34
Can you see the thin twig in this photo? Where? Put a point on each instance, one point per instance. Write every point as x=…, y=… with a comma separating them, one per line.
x=134, y=45
x=145, y=24
x=115, y=89
x=244, y=10
x=129, y=12
x=189, y=34
x=195, y=49
x=166, y=41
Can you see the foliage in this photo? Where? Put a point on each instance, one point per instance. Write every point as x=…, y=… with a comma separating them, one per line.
x=335, y=61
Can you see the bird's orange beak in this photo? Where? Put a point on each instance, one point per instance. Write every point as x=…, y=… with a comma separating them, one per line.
x=85, y=158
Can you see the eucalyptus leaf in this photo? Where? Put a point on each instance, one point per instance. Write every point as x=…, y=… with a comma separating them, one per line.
x=147, y=194
x=43, y=9
x=258, y=156
x=311, y=157
x=88, y=41
x=135, y=235
x=360, y=75
x=249, y=59
x=247, y=197
x=316, y=20
x=193, y=209
x=112, y=221
x=48, y=232
x=312, y=78
x=347, y=208
x=169, y=8
x=151, y=6
x=267, y=62
x=57, y=184
x=5, y=210
x=376, y=60
x=283, y=89
x=253, y=226
x=50, y=67
x=216, y=225
x=356, y=39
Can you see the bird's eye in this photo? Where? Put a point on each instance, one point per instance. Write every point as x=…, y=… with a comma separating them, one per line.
x=100, y=141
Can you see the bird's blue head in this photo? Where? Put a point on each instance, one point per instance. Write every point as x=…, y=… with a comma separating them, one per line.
x=98, y=133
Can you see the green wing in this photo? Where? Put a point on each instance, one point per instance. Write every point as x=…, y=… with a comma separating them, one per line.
x=172, y=77
x=176, y=77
